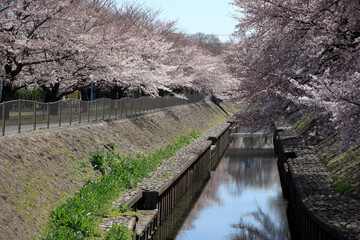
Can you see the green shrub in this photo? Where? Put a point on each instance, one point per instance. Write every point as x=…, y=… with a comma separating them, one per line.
x=26, y=94
x=118, y=232
x=64, y=234
x=123, y=208
x=98, y=161
x=111, y=145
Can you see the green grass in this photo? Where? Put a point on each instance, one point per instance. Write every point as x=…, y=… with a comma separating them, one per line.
x=122, y=210
x=342, y=186
x=78, y=218
x=82, y=165
x=118, y=232
x=304, y=125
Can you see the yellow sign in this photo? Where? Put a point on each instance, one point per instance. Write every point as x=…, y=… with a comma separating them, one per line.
x=74, y=95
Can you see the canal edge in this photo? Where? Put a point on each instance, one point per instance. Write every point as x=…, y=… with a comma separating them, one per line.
x=155, y=198
x=319, y=211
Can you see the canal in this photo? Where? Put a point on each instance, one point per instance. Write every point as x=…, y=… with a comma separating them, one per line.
x=240, y=199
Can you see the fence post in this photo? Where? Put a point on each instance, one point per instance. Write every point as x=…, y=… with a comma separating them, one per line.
x=116, y=104
x=88, y=112
x=126, y=106
x=109, y=108
x=34, y=115
x=139, y=106
x=103, y=108
x=48, y=115
x=131, y=106
x=146, y=108
x=144, y=104
x=154, y=104
x=3, y=119
x=70, y=111
x=79, y=111
x=95, y=110
x=150, y=104
x=60, y=113
x=136, y=102
x=19, y=116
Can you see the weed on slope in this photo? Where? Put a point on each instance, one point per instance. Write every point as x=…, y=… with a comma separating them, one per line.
x=79, y=217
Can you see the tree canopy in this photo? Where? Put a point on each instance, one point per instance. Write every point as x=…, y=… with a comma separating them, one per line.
x=63, y=46
x=299, y=56
x=286, y=56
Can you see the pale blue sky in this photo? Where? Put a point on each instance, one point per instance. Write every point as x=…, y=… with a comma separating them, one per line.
x=206, y=16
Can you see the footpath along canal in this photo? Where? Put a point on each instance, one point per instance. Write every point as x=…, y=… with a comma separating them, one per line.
x=240, y=199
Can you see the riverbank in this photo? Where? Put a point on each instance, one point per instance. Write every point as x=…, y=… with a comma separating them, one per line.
x=156, y=196
x=320, y=212
x=344, y=165
x=41, y=169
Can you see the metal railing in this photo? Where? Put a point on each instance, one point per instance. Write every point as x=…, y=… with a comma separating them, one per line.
x=23, y=115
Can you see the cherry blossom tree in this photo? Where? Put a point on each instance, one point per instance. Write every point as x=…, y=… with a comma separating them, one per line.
x=299, y=56
x=63, y=46
x=29, y=40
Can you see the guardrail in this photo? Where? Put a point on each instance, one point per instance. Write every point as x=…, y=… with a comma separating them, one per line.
x=23, y=115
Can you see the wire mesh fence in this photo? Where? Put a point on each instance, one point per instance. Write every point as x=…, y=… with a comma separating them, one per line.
x=23, y=115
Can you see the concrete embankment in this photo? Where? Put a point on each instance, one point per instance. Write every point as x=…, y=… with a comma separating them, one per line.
x=41, y=169
x=319, y=211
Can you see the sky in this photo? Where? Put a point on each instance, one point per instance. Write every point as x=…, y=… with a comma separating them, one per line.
x=193, y=16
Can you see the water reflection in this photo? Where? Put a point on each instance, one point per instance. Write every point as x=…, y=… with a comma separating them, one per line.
x=266, y=230
x=243, y=198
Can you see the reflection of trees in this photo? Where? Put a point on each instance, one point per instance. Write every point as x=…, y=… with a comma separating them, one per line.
x=209, y=196
x=266, y=229
x=246, y=166
x=251, y=142
x=247, y=170
x=278, y=206
x=251, y=162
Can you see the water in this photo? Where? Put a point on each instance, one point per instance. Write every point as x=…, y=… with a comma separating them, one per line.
x=241, y=200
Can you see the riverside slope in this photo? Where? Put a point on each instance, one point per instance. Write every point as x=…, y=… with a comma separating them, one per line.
x=41, y=169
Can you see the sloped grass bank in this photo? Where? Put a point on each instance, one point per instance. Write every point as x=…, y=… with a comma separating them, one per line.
x=78, y=218
x=344, y=165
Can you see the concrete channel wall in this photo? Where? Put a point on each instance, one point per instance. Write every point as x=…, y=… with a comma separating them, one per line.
x=317, y=212
x=157, y=196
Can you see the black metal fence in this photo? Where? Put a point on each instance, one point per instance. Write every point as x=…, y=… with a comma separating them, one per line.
x=23, y=115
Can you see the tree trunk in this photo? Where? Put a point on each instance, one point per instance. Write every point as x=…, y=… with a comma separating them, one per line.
x=117, y=92
x=8, y=94
x=51, y=95
x=85, y=97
